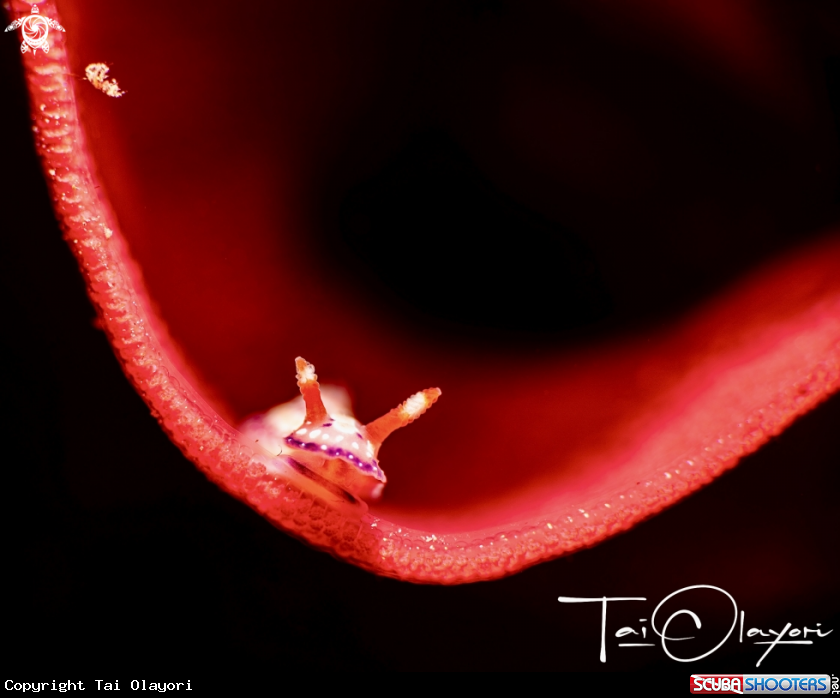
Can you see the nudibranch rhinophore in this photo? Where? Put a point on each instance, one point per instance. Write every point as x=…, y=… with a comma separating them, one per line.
x=319, y=432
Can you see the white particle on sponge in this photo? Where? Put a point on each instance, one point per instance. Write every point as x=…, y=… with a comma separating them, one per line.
x=97, y=75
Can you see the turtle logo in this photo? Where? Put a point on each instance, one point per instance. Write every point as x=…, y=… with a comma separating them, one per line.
x=35, y=30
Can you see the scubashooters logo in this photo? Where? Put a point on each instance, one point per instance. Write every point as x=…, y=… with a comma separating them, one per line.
x=739, y=684
x=676, y=632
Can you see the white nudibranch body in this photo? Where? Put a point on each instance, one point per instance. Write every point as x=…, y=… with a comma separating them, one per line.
x=319, y=432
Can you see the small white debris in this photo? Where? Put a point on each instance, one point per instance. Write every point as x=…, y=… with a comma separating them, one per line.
x=97, y=75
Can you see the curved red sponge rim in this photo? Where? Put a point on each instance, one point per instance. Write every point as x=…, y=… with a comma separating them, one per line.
x=754, y=387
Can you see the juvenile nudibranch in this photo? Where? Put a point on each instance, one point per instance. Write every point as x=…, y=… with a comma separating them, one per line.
x=319, y=432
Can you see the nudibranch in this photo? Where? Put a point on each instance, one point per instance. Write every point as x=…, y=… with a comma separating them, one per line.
x=318, y=431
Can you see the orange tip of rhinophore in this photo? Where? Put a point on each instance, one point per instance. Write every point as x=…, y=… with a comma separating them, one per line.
x=311, y=391
x=418, y=403
x=305, y=370
x=380, y=429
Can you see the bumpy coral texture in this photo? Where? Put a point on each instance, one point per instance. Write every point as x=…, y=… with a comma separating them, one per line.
x=798, y=365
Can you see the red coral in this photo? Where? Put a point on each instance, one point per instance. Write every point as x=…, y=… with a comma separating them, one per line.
x=530, y=456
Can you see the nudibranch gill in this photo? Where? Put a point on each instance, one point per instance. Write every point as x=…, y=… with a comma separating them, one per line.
x=318, y=432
